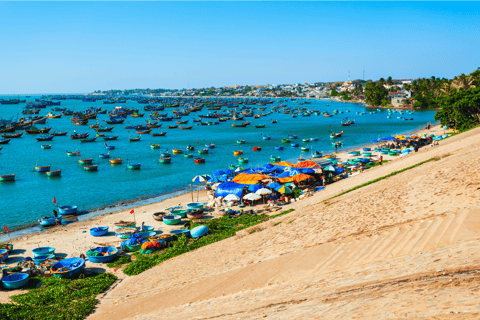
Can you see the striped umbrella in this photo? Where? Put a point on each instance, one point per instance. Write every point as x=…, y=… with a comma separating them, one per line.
x=199, y=179
x=285, y=190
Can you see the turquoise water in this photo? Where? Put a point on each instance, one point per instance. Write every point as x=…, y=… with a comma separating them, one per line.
x=30, y=196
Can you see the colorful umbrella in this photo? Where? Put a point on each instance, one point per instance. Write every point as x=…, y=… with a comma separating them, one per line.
x=330, y=168
x=199, y=179
x=285, y=190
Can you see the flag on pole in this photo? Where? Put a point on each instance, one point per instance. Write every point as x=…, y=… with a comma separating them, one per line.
x=54, y=200
x=133, y=211
x=5, y=228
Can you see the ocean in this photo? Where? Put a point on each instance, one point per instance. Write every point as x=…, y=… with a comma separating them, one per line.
x=30, y=196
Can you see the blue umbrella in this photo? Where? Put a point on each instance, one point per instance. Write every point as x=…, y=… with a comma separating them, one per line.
x=375, y=140
x=387, y=139
x=199, y=179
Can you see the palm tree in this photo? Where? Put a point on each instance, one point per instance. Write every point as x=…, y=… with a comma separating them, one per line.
x=389, y=81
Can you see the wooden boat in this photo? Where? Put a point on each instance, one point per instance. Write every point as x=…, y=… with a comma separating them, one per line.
x=160, y=134
x=53, y=116
x=104, y=129
x=116, y=161
x=80, y=122
x=46, y=146
x=346, y=124
x=172, y=127
x=137, y=115
x=242, y=160
x=143, y=131
x=59, y=133
x=285, y=140
x=275, y=159
x=104, y=156
x=305, y=149
x=49, y=221
x=165, y=160
x=85, y=161
x=259, y=126
x=182, y=122
x=108, y=138
x=72, y=154
x=190, y=148
x=240, y=141
x=154, y=146
x=91, y=168
x=134, y=139
x=88, y=140
x=94, y=126
x=203, y=151
x=47, y=138
x=7, y=177
x=34, y=130
x=326, y=115
x=109, y=147
x=186, y=128
x=257, y=148
x=239, y=125
x=42, y=169
x=188, y=155
x=77, y=136
x=111, y=121
x=177, y=151
x=4, y=141
x=154, y=125
x=1, y=148
x=133, y=166
x=12, y=135
x=199, y=160
x=334, y=135
x=195, y=214
x=237, y=153
x=55, y=173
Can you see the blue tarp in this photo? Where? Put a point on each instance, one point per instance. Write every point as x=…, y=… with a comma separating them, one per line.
x=294, y=172
x=226, y=188
x=222, y=172
x=254, y=187
x=274, y=185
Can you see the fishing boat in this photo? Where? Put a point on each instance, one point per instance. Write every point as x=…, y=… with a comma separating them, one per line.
x=143, y=131
x=237, y=153
x=274, y=121
x=165, y=160
x=257, y=148
x=334, y=135
x=133, y=166
x=199, y=160
x=104, y=155
x=88, y=140
x=4, y=141
x=46, y=138
x=85, y=161
x=242, y=160
x=338, y=144
x=188, y=155
x=109, y=147
x=285, y=140
x=49, y=221
x=266, y=138
x=80, y=122
x=115, y=121
x=165, y=155
x=239, y=125
x=108, y=138
x=46, y=146
x=134, y=139
x=53, y=116
x=240, y=141
x=72, y=153
x=190, y=148
x=292, y=136
x=160, y=134
x=56, y=134
x=210, y=146
x=177, y=151
x=91, y=168
x=34, y=130
x=313, y=139
x=258, y=126
x=154, y=146
x=7, y=177
x=278, y=148
x=172, y=127
x=295, y=145
x=203, y=151
x=186, y=128
x=55, y=173
x=78, y=136
x=68, y=268
x=317, y=154
x=104, y=129
x=305, y=149
x=116, y=161
x=274, y=159
x=137, y=115
x=305, y=140
x=42, y=169
x=94, y=126
x=12, y=135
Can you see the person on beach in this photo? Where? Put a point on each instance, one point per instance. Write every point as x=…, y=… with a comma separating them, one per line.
x=142, y=228
x=55, y=214
x=381, y=159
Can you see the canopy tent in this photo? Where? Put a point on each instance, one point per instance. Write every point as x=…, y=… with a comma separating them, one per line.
x=293, y=172
x=387, y=139
x=274, y=185
x=284, y=163
x=295, y=178
x=226, y=188
x=246, y=178
x=307, y=164
x=222, y=172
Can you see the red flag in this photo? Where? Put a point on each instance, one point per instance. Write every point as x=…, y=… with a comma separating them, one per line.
x=54, y=200
x=5, y=228
x=133, y=211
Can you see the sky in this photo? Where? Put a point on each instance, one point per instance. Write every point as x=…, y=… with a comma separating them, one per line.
x=79, y=47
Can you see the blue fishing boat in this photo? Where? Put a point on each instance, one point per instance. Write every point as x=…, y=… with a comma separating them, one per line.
x=102, y=254
x=15, y=281
x=43, y=251
x=199, y=231
x=68, y=268
x=294, y=145
x=67, y=210
x=278, y=148
x=266, y=138
x=42, y=169
x=104, y=156
x=133, y=166
x=49, y=221
x=99, y=231
x=109, y=147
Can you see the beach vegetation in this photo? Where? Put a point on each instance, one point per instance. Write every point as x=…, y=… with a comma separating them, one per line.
x=219, y=229
x=119, y=261
x=460, y=110
x=57, y=299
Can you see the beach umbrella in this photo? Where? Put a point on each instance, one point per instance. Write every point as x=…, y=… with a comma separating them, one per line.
x=208, y=177
x=285, y=190
x=199, y=179
x=239, y=169
x=252, y=197
x=375, y=140
x=330, y=168
x=263, y=191
x=387, y=139
x=231, y=197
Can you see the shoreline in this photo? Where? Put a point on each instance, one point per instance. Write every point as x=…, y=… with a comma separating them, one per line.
x=35, y=228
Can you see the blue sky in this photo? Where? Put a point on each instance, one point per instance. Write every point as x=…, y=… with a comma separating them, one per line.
x=55, y=47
